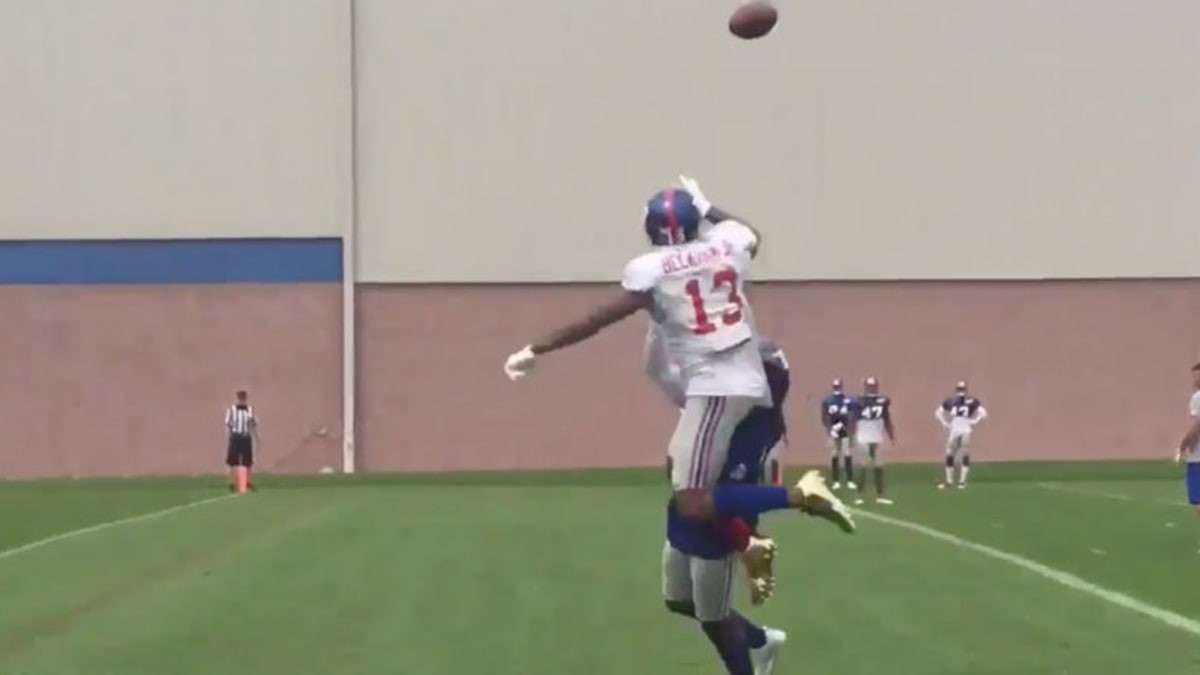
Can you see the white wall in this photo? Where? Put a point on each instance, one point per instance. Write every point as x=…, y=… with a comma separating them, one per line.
x=517, y=141
x=917, y=139
x=174, y=118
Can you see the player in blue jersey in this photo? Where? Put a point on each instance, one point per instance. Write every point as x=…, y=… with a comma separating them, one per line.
x=699, y=557
x=838, y=421
x=958, y=415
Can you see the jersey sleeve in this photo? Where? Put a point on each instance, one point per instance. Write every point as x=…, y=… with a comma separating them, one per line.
x=737, y=235
x=1194, y=405
x=660, y=369
x=641, y=274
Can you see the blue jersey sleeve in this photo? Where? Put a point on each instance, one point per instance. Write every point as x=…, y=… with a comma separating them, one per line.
x=779, y=380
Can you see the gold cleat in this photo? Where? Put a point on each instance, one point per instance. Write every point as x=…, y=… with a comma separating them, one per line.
x=819, y=501
x=758, y=558
x=761, y=590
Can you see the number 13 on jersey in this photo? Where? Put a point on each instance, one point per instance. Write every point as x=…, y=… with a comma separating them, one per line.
x=716, y=299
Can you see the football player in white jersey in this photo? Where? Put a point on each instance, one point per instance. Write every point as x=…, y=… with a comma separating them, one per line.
x=1188, y=450
x=692, y=286
x=958, y=415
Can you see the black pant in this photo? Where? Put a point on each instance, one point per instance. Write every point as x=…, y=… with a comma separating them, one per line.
x=241, y=451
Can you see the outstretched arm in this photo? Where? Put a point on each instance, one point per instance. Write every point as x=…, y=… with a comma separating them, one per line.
x=597, y=320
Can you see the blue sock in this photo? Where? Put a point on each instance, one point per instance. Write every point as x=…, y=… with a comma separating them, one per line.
x=748, y=500
x=755, y=636
x=726, y=636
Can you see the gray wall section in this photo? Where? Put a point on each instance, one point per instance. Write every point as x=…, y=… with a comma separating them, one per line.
x=915, y=139
x=180, y=118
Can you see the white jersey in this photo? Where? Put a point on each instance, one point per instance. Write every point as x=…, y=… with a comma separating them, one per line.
x=698, y=296
x=1193, y=456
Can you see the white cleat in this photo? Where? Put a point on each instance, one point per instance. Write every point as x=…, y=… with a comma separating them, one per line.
x=883, y=500
x=819, y=501
x=837, y=486
x=851, y=485
x=763, y=658
x=962, y=486
x=859, y=501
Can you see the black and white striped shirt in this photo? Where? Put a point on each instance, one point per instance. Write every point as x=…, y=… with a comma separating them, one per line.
x=239, y=420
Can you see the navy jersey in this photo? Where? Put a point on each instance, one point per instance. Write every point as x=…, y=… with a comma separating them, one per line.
x=746, y=464
x=837, y=410
x=872, y=407
x=964, y=407
x=872, y=415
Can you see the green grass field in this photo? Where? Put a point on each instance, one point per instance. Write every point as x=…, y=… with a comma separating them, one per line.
x=521, y=574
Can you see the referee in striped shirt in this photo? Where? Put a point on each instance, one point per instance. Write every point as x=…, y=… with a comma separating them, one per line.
x=242, y=429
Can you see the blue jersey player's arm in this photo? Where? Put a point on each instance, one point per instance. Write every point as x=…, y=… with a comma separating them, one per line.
x=979, y=413
x=776, y=367
x=941, y=411
x=887, y=421
x=826, y=418
x=854, y=407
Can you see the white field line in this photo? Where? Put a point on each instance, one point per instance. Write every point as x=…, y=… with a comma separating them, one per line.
x=8, y=553
x=1163, y=616
x=1084, y=492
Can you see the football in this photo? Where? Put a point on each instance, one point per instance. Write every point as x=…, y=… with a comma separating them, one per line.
x=753, y=20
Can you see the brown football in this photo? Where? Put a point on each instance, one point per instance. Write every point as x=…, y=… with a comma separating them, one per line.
x=753, y=20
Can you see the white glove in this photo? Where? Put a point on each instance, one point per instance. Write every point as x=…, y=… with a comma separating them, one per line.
x=1178, y=455
x=693, y=188
x=519, y=364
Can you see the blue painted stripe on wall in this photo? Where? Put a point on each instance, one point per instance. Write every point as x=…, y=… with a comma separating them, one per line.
x=176, y=261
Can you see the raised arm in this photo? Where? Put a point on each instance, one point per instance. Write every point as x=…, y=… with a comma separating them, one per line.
x=716, y=216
